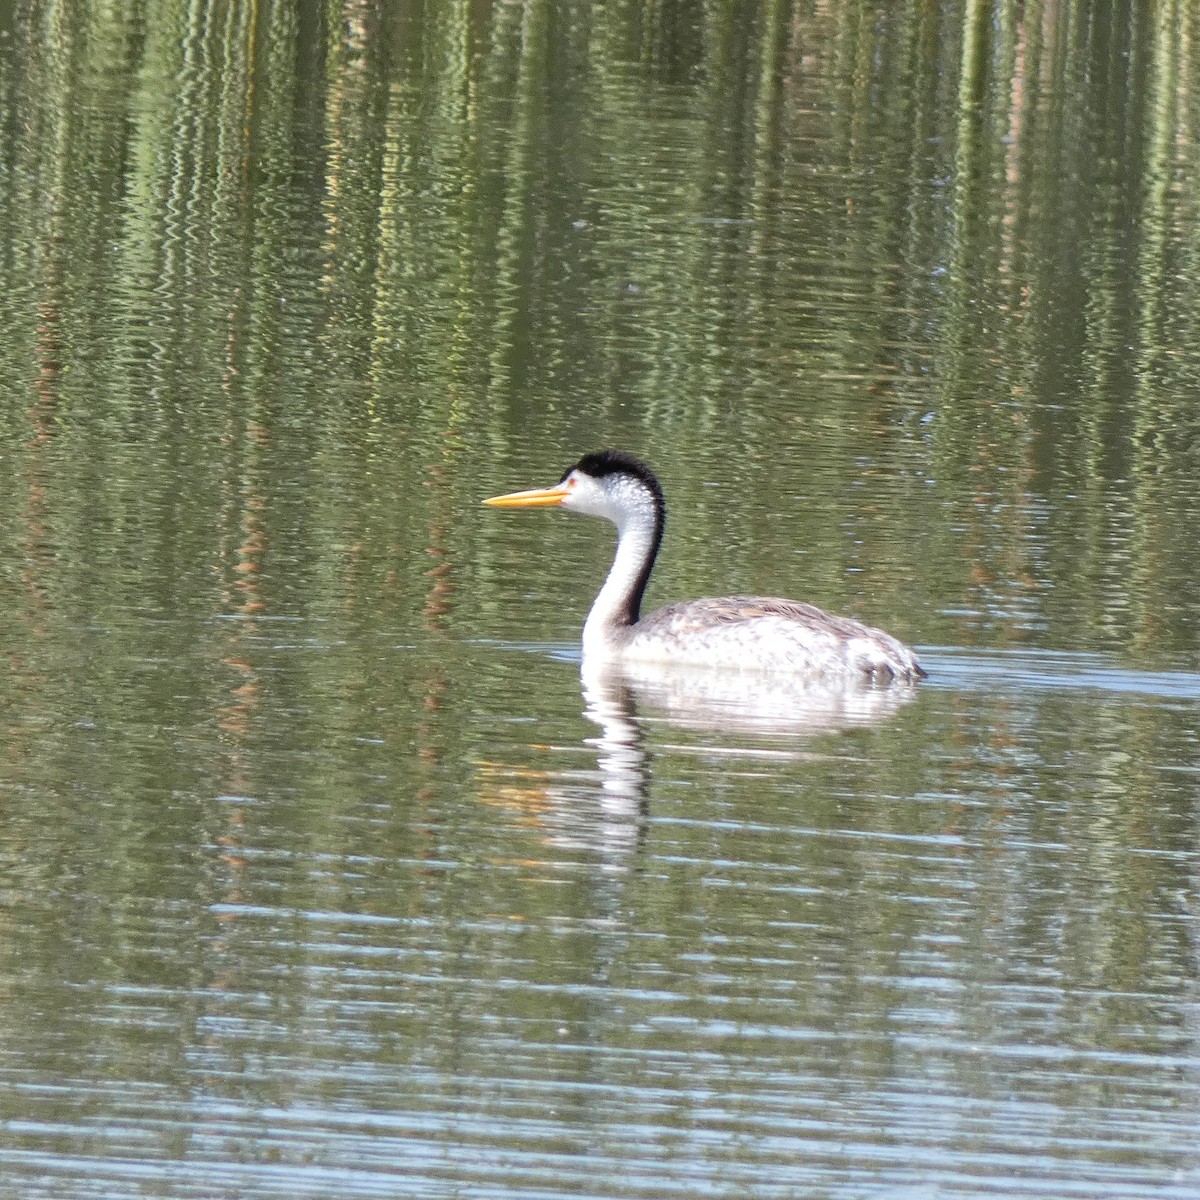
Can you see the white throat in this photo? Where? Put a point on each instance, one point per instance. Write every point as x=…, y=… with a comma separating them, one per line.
x=609, y=622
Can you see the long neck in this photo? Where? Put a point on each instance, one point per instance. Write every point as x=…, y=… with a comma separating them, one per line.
x=617, y=607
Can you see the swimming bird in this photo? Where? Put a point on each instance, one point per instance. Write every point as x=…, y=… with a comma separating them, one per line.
x=730, y=632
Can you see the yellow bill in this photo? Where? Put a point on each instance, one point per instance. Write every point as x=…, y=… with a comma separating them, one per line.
x=535, y=498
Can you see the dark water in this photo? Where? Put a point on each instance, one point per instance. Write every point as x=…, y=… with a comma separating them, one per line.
x=321, y=871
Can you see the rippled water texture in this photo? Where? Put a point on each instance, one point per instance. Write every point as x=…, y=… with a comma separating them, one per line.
x=323, y=873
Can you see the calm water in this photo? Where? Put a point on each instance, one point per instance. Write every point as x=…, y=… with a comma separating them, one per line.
x=322, y=873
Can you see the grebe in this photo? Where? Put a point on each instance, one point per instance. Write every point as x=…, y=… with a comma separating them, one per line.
x=733, y=632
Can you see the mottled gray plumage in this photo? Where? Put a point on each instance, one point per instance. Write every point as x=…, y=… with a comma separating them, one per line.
x=770, y=632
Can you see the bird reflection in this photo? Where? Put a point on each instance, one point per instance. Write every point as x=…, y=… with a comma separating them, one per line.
x=621, y=759
x=604, y=811
x=622, y=701
x=756, y=703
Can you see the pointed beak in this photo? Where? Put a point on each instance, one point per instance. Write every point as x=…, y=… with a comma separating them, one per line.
x=536, y=498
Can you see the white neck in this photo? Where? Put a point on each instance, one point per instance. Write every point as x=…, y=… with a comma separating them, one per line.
x=609, y=619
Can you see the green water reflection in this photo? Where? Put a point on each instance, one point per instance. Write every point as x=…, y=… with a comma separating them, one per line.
x=318, y=874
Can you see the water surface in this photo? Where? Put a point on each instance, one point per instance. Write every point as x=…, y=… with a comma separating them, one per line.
x=323, y=873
